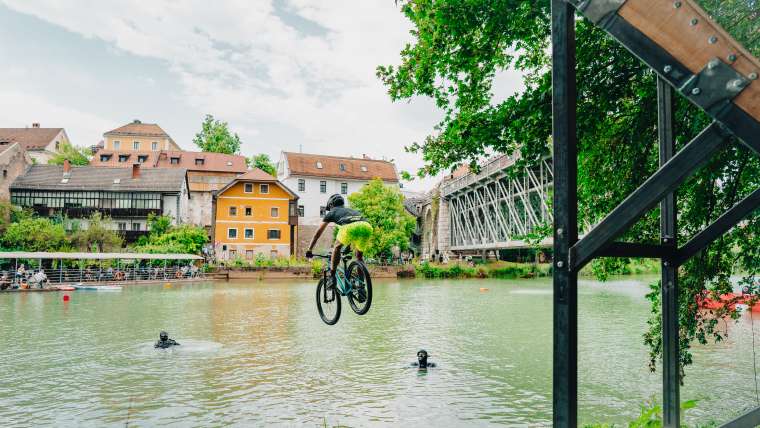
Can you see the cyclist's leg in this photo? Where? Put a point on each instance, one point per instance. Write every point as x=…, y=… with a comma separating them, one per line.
x=359, y=255
x=335, y=259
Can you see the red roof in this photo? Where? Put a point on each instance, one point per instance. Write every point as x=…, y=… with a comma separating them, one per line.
x=340, y=167
x=138, y=128
x=192, y=161
x=256, y=175
x=30, y=138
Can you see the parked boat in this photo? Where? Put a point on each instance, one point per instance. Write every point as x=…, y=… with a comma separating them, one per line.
x=731, y=300
x=97, y=287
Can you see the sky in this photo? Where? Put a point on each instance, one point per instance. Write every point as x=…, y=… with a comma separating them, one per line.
x=293, y=75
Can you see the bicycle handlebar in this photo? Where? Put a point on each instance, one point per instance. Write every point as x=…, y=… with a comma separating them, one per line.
x=322, y=256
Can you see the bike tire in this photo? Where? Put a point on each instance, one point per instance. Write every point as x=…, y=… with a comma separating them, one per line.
x=358, y=271
x=323, y=294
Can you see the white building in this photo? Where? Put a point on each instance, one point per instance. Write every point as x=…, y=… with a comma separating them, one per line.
x=315, y=177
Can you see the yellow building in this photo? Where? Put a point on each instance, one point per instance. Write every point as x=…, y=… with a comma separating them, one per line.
x=254, y=214
x=138, y=137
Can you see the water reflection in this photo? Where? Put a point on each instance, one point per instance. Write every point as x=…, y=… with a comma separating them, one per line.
x=257, y=353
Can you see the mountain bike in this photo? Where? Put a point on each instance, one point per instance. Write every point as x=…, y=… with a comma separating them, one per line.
x=353, y=282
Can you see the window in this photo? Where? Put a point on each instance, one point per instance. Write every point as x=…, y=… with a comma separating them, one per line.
x=248, y=211
x=248, y=188
x=122, y=226
x=154, y=146
x=5, y=173
x=105, y=158
x=123, y=158
x=117, y=145
x=249, y=234
x=264, y=189
x=224, y=248
x=342, y=167
x=273, y=234
x=233, y=253
x=322, y=187
x=232, y=234
x=322, y=211
x=300, y=211
x=142, y=158
x=249, y=254
x=363, y=168
x=233, y=211
x=199, y=161
x=174, y=161
x=301, y=185
x=136, y=145
x=57, y=145
x=135, y=226
x=344, y=188
x=275, y=212
x=319, y=165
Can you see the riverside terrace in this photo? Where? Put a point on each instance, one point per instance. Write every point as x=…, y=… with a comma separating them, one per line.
x=20, y=269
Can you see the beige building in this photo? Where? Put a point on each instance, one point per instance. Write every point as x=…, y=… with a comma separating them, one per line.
x=206, y=173
x=40, y=143
x=138, y=137
x=14, y=161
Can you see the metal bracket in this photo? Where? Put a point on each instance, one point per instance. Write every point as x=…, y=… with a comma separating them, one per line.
x=714, y=87
x=598, y=10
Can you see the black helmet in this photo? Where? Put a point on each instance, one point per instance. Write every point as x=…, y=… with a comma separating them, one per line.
x=422, y=354
x=163, y=335
x=335, y=200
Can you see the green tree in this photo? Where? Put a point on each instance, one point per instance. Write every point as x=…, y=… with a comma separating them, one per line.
x=75, y=155
x=99, y=236
x=263, y=162
x=166, y=238
x=216, y=137
x=34, y=234
x=383, y=207
x=460, y=47
x=159, y=224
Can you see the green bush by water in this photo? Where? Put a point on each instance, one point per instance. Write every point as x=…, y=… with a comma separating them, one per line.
x=488, y=270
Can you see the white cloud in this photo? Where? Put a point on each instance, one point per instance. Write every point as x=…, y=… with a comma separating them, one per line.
x=242, y=62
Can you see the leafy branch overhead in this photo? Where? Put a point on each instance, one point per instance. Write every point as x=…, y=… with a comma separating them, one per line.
x=460, y=48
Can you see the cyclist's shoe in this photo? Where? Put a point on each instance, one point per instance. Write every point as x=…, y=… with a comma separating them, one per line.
x=361, y=295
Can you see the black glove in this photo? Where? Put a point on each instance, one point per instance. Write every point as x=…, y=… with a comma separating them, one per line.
x=309, y=254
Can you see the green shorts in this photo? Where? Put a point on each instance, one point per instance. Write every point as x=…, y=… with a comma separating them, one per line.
x=355, y=234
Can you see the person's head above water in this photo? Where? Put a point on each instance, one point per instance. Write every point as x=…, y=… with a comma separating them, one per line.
x=422, y=357
x=335, y=200
x=163, y=336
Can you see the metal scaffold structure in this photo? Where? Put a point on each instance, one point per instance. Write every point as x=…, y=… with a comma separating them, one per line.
x=493, y=208
x=694, y=56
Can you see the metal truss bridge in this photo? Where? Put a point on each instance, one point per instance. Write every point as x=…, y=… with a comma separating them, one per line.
x=498, y=206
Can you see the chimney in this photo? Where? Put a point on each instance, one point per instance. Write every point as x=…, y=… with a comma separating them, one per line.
x=35, y=125
x=135, y=170
x=364, y=156
x=66, y=166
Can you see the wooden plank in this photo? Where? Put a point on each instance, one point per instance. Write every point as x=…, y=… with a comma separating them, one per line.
x=671, y=28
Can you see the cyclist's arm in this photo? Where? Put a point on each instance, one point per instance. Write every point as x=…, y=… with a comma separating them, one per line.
x=317, y=234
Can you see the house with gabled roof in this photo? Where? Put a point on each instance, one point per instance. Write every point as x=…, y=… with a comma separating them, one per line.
x=137, y=136
x=40, y=143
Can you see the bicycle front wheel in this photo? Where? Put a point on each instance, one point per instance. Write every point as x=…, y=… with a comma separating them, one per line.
x=360, y=297
x=328, y=302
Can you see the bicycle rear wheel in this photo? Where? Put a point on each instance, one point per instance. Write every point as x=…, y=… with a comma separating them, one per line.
x=328, y=303
x=360, y=298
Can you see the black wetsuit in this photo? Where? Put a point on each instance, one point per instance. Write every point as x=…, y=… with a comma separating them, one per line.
x=163, y=344
x=423, y=365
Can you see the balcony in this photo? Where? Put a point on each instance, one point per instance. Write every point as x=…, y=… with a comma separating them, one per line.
x=131, y=236
x=83, y=212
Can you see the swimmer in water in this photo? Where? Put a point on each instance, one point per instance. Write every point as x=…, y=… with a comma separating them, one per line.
x=164, y=341
x=422, y=360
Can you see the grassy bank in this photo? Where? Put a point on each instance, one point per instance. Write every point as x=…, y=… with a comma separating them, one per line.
x=487, y=270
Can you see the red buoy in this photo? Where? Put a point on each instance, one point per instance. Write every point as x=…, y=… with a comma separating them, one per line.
x=65, y=297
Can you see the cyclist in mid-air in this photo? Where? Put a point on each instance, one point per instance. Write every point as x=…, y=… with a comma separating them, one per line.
x=353, y=230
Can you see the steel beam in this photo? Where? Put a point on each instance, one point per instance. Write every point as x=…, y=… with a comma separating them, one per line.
x=750, y=419
x=662, y=182
x=564, y=141
x=669, y=271
x=723, y=224
x=629, y=249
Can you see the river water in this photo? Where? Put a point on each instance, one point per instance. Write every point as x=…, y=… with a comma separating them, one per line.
x=256, y=353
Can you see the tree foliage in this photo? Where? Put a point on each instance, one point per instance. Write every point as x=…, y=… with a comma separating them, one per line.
x=34, y=234
x=263, y=162
x=383, y=207
x=98, y=236
x=216, y=137
x=166, y=238
x=75, y=155
x=460, y=47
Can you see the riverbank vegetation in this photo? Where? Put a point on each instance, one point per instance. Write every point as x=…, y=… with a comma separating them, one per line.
x=459, y=50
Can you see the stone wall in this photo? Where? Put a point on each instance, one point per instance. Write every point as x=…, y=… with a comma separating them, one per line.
x=200, y=209
x=13, y=162
x=306, y=232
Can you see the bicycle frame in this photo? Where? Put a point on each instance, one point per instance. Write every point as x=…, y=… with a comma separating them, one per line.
x=344, y=286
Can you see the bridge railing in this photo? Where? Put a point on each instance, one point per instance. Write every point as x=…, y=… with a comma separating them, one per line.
x=493, y=166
